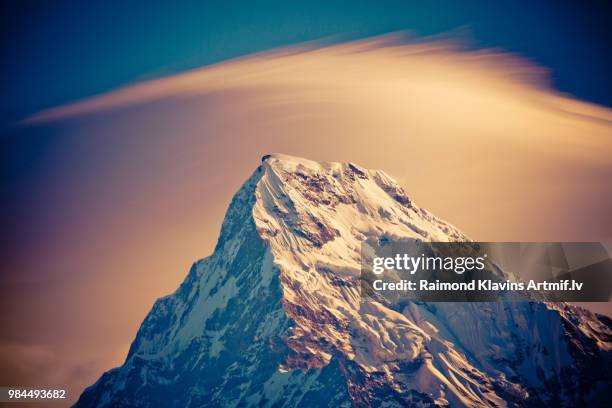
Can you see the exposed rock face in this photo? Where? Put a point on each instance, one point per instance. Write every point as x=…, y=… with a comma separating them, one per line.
x=274, y=317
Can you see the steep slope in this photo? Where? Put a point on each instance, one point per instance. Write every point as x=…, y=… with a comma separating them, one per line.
x=274, y=316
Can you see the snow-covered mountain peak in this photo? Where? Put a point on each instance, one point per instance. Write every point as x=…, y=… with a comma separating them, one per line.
x=274, y=316
x=329, y=200
x=314, y=217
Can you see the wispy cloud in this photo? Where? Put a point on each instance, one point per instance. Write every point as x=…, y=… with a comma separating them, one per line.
x=418, y=67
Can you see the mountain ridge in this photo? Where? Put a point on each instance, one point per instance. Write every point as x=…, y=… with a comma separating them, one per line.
x=274, y=316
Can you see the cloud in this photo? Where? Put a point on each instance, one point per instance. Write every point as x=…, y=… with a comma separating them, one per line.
x=317, y=69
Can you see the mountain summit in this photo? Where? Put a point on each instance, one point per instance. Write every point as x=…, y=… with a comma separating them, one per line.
x=274, y=316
